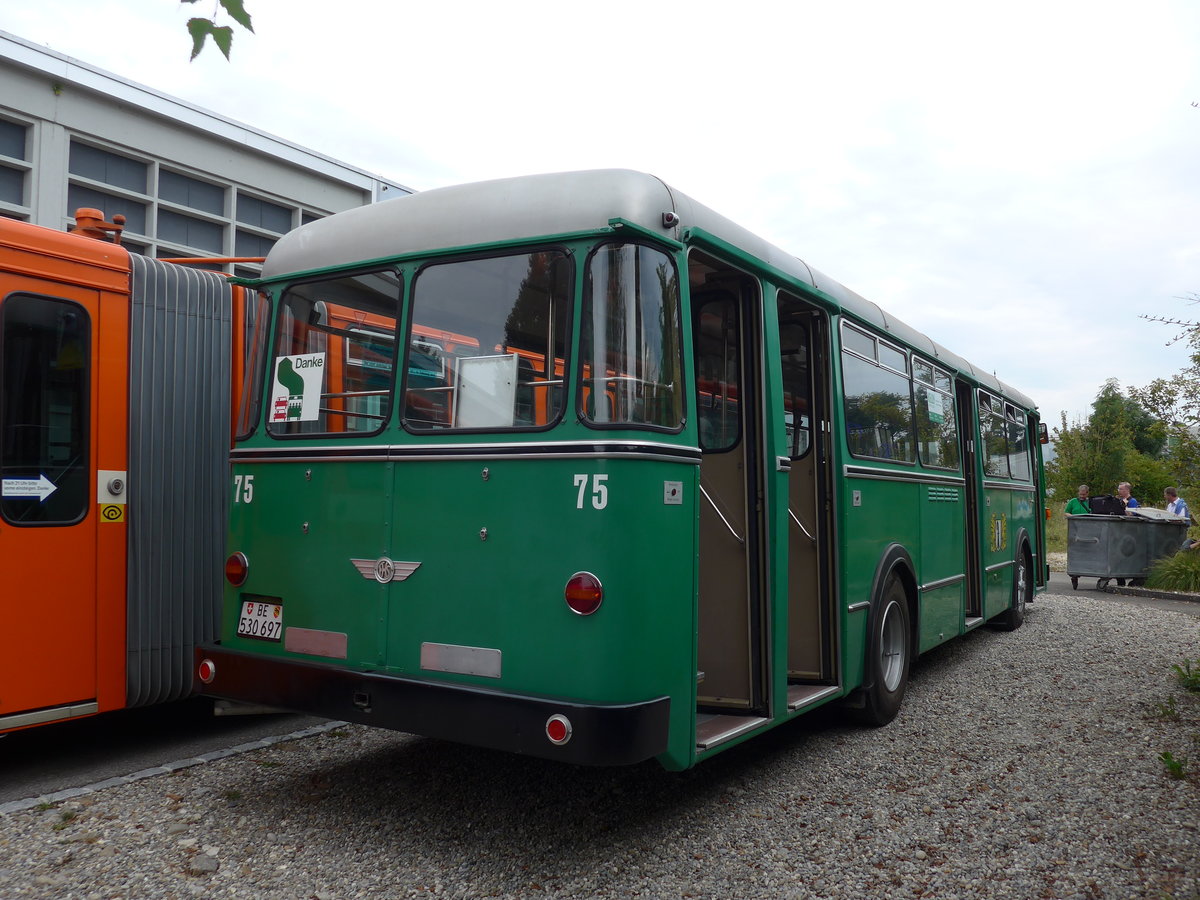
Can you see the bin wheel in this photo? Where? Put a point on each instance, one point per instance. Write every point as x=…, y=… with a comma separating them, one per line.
x=1074, y=582
x=1101, y=583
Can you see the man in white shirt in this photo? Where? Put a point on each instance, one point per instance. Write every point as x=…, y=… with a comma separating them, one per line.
x=1175, y=504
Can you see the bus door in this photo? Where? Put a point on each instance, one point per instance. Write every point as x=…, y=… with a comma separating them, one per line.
x=48, y=526
x=803, y=351
x=731, y=681
x=967, y=431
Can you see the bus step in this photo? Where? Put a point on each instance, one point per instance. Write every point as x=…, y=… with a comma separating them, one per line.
x=806, y=694
x=712, y=729
x=972, y=622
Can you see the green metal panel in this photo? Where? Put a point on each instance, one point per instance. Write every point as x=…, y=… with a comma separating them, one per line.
x=303, y=525
x=941, y=555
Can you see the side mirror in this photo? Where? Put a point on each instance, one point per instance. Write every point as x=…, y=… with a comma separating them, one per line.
x=1043, y=433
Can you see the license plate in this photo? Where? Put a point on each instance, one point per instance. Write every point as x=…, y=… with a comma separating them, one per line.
x=261, y=620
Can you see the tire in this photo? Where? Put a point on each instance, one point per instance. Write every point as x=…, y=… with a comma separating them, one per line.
x=1013, y=617
x=889, y=652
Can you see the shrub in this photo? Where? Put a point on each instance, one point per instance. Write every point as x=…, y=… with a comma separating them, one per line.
x=1056, y=529
x=1180, y=572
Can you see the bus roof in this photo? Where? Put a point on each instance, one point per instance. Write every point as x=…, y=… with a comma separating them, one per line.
x=543, y=206
x=59, y=255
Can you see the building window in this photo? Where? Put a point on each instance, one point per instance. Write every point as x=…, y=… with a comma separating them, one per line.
x=261, y=214
x=109, y=204
x=109, y=168
x=189, y=232
x=185, y=191
x=248, y=244
x=12, y=186
x=13, y=140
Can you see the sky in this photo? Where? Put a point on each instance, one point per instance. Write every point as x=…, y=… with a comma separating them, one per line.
x=1018, y=181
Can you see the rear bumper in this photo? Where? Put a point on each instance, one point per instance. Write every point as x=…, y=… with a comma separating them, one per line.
x=606, y=735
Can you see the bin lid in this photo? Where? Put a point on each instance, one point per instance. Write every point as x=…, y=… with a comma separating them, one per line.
x=1161, y=515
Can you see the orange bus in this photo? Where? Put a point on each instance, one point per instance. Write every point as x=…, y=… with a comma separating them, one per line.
x=116, y=375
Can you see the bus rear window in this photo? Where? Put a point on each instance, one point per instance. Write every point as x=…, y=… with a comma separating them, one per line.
x=335, y=351
x=488, y=343
x=631, y=342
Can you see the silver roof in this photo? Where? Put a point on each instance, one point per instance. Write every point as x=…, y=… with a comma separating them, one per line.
x=537, y=206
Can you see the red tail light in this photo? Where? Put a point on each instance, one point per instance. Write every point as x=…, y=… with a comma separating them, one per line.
x=584, y=593
x=207, y=671
x=558, y=729
x=236, y=569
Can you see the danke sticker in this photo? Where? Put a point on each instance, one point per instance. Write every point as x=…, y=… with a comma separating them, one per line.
x=296, y=392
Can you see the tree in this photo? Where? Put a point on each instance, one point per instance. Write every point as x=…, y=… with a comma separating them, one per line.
x=1175, y=403
x=202, y=29
x=1120, y=441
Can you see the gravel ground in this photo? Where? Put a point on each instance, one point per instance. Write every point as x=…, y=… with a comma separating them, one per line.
x=1046, y=784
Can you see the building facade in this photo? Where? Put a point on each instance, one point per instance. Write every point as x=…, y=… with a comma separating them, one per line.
x=188, y=181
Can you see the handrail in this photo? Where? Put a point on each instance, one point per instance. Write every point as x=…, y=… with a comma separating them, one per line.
x=721, y=516
x=800, y=525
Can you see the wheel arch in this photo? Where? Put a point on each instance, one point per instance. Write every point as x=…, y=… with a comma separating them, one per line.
x=897, y=561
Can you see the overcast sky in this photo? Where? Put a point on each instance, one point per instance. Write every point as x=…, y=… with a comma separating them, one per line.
x=1019, y=181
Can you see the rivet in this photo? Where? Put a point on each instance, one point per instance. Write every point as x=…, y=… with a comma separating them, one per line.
x=304, y=528
x=483, y=534
x=485, y=473
x=308, y=474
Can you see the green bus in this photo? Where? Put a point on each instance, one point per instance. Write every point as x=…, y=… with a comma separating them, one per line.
x=571, y=465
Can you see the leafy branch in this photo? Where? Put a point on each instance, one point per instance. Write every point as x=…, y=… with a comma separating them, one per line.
x=202, y=29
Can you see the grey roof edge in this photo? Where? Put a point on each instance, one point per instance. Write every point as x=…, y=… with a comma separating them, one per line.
x=42, y=59
x=537, y=206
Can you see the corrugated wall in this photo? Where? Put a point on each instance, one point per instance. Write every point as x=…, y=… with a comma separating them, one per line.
x=178, y=463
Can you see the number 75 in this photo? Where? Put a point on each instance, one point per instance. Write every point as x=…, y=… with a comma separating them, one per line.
x=599, y=491
x=243, y=488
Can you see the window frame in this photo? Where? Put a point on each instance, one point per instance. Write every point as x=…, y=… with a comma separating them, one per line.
x=861, y=331
x=85, y=389
x=952, y=394
x=281, y=311
x=681, y=305
x=408, y=336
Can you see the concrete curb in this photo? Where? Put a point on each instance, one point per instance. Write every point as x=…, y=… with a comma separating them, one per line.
x=165, y=769
x=1156, y=595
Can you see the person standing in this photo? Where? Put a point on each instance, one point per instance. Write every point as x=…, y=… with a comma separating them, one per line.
x=1123, y=491
x=1078, y=505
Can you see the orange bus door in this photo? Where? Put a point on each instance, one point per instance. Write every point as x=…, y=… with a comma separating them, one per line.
x=48, y=520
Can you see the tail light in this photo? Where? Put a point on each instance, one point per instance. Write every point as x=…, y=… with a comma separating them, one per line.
x=584, y=593
x=236, y=569
x=206, y=671
x=558, y=729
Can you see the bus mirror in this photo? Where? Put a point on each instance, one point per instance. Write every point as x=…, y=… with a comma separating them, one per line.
x=1043, y=433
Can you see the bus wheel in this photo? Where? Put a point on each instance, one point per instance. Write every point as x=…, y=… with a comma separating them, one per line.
x=1012, y=618
x=889, y=649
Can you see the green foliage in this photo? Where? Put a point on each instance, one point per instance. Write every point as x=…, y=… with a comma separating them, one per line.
x=1177, y=767
x=1165, y=710
x=1056, y=529
x=1180, y=572
x=1119, y=442
x=1175, y=402
x=202, y=29
x=1187, y=676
